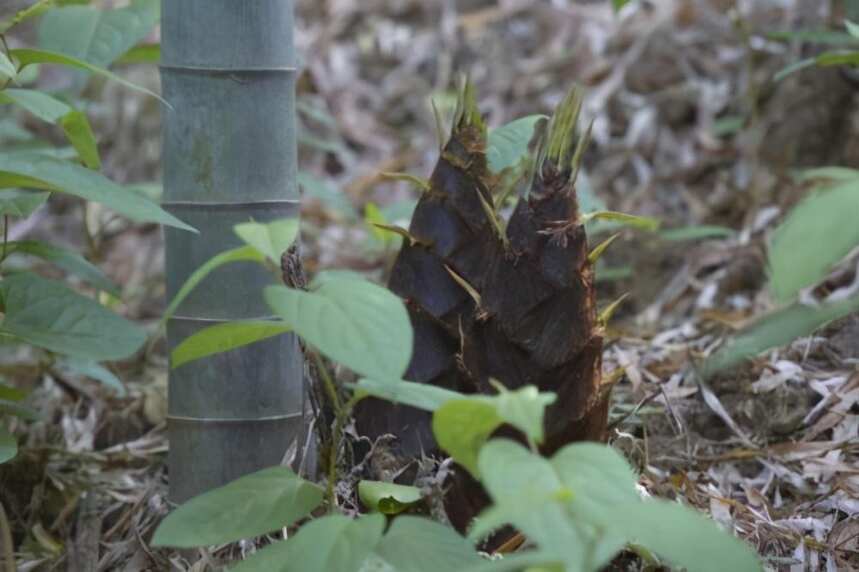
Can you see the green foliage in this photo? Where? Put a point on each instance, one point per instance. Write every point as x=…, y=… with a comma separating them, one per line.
x=462, y=423
x=331, y=544
x=581, y=507
x=816, y=234
x=462, y=426
x=639, y=222
x=387, y=498
x=8, y=445
x=355, y=322
x=38, y=171
x=50, y=315
x=269, y=239
x=422, y=396
x=697, y=232
x=618, y=4
x=776, y=329
x=37, y=311
x=74, y=123
x=97, y=36
x=17, y=203
x=507, y=146
x=682, y=537
x=240, y=254
x=87, y=368
x=415, y=544
x=68, y=260
x=256, y=504
x=825, y=59
x=224, y=337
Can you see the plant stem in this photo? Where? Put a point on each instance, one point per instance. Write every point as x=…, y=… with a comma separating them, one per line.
x=340, y=420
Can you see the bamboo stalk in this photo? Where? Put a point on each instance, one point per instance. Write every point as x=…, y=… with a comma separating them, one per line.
x=228, y=73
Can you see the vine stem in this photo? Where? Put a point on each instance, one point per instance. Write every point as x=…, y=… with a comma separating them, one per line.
x=341, y=413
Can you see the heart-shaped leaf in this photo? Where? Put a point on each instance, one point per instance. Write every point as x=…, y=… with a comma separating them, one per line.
x=247, y=507
x=355, y=322
x=387, y=498
x=415, y=544
x=271, y=239
x=331, y=544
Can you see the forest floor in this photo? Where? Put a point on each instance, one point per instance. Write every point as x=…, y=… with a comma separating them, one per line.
x=689, y=127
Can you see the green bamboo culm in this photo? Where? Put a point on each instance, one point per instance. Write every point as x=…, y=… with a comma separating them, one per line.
x=229, y=155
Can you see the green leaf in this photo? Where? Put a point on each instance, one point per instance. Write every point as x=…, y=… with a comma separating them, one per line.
x=97, y=36
x=71, y=262
x=372, y=217
x=825, y=36
x=697, y=232
x=618, y=4
x=7, y=68
x=74, y=123
x=89, y=368
x=224, y=337
x=852, y=28
x=271, y=239
x=28, y=57
x=14, y=202
x=33, y=11
x=510, y=472
x=8, y=445
x=45, y=107
x=355, y=322
x=256, y=504
x=79, y=133
x=640, y=222
x=827, y=59
x=334, y=543
x=18, y=410
x=9, y=393
x=50, y=315
x=793, y=68
x=242, y=253
x=508, y=145
x=141, y=54
x=776, y=329
x=804, y=247
x=461, y=427
x=523, y=408
x=47, y=173
x=686, y=538
x=598, y=476
x=828, y=173
x=416, y=544
x=387, y=498
x=420, y=395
